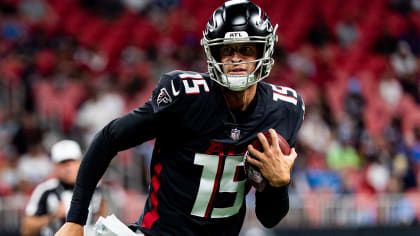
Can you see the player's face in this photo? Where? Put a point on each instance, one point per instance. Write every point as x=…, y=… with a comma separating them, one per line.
x=66, y=171
x=240, y=52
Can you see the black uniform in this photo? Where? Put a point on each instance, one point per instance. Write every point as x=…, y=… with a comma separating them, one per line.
x=198, y=184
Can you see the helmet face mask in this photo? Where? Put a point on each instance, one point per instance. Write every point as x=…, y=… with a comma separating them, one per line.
x=239, y=22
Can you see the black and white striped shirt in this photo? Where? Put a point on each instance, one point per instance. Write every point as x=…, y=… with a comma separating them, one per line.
x=46, y=198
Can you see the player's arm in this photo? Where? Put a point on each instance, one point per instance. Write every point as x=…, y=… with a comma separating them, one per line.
x=130, y=130
x=273, y=203
x=120, y=134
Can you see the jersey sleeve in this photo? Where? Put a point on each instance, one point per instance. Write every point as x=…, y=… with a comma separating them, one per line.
x=271, y=205
x=297, y=116
x=120, y=134
x=169, y=93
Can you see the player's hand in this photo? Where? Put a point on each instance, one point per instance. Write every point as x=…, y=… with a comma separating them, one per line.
x=273, y=164
x=70, y=229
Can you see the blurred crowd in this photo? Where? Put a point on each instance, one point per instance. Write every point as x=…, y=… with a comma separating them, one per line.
x=68, y=67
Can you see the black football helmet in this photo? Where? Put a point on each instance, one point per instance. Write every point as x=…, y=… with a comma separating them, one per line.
x=239, y=21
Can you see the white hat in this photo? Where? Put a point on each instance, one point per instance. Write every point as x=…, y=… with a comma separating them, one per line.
x=65, y=150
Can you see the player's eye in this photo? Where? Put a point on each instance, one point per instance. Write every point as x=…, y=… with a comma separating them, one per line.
x=247, y=50
x=226, y=51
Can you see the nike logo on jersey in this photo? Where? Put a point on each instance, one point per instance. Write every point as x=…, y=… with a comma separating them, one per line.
x=163, y=97
x=174, y=92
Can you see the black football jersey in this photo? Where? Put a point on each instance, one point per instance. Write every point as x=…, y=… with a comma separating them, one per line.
x=198, y=184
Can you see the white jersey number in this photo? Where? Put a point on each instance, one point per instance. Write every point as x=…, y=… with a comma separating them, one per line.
x=211, y=176
x=285, y=94
x=197, y=81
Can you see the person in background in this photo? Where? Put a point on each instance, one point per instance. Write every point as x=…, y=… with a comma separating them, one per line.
x=48, y=205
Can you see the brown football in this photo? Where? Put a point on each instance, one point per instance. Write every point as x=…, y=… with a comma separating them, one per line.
x=253, y=173
x=284, y=146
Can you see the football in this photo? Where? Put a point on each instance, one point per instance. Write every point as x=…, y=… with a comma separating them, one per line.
x=252, y=172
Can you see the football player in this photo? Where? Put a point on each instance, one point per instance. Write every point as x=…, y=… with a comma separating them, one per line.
x=203, y=124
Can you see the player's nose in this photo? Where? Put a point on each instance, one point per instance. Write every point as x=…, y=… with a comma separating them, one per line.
x=236, y=57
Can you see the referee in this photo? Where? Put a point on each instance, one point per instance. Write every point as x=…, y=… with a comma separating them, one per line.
x=47, y=208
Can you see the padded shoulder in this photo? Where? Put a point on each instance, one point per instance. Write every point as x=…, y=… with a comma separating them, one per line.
x=175, y=88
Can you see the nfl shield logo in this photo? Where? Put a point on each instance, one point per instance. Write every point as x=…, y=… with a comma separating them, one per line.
x=235, y=133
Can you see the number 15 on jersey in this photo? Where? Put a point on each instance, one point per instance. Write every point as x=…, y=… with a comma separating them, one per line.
x=214, y=175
